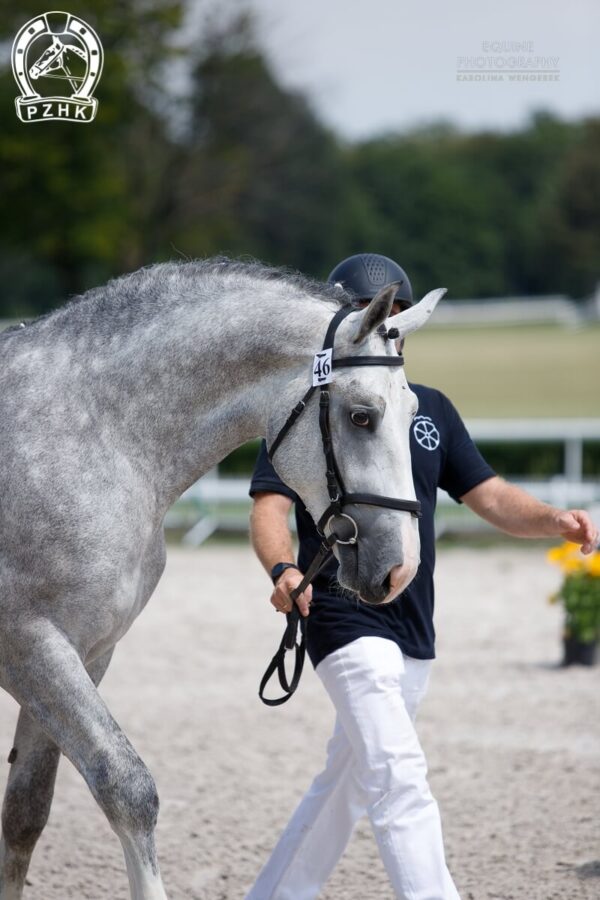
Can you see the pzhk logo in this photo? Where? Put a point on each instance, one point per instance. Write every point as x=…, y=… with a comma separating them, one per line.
x=425, y=432
x=56, y=45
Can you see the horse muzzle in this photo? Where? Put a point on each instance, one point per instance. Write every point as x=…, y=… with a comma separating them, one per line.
x=384, y=559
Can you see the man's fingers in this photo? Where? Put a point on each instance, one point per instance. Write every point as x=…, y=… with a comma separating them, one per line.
x=281, y=596
x=281, y=600
x=568, y=522
x=577, y=526
x=304, y=600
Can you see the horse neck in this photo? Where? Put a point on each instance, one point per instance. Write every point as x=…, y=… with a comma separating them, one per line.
x=192, y=387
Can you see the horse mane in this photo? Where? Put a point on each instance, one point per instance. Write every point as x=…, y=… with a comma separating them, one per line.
x=155, y=281
x=254, y=268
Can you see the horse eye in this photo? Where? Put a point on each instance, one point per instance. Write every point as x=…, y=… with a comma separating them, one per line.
x=360, y=418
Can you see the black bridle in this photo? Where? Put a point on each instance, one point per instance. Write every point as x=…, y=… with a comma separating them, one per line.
x=342, y=527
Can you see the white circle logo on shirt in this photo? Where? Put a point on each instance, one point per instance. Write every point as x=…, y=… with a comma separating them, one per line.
x=425, y=432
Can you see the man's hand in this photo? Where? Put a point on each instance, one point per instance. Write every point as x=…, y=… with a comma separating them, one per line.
x=513, y=510
x=280, y=598
x=576, y=526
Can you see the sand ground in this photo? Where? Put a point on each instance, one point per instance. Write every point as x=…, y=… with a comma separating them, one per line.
x=513, y=741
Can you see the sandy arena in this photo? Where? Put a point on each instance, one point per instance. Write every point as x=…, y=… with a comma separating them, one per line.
x=513, y=741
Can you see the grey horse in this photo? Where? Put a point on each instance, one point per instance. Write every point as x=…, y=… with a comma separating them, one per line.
x=110, y=408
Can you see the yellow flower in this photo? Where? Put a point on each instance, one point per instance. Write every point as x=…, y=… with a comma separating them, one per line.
x=567, y=556
x=592, y=564
x=555, y=555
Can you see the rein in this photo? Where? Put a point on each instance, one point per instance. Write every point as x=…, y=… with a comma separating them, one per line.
x=342, y=527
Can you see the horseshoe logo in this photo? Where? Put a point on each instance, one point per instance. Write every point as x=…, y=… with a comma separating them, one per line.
x=56, y=45
x=425, y=432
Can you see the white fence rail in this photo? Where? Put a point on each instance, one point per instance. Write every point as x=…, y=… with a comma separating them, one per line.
x=551, y=310
x=215, y=503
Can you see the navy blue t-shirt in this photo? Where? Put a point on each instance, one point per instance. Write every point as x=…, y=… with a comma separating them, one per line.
x=443, y=455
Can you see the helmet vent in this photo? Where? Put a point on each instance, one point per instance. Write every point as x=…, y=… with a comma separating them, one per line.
x=375, y=267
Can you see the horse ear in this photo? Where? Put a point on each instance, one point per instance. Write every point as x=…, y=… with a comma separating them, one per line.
x=411, y=319
x=377, y=311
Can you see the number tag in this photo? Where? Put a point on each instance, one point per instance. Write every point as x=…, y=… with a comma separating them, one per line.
x=322, y=368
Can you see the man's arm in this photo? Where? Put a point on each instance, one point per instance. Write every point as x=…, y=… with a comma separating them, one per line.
x=516, y=512
x=272, y=541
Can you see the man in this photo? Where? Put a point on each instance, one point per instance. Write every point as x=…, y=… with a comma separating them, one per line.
x=374, y=661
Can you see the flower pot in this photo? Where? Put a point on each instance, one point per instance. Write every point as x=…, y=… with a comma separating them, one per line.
x=578, y=652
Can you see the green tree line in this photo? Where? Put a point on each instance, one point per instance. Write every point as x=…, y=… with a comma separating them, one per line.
x=239, y=164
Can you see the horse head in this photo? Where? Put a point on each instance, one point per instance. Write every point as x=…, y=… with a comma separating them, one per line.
x=370, y=409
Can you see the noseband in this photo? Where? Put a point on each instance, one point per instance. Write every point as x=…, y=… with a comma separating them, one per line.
x=342, y=527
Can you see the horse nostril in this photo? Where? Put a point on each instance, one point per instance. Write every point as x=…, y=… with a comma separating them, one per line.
x=396, y=580
x=387, y=584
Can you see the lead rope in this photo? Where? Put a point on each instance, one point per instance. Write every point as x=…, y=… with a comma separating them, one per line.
x=289, y=639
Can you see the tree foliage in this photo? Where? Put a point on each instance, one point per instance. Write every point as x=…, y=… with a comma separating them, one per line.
x=242, y=165
x=83, y=202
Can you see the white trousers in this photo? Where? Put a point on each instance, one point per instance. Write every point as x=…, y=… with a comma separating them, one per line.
x=375, y=765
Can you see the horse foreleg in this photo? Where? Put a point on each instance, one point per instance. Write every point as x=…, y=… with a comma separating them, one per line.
x=55, y=689
x=34, y=760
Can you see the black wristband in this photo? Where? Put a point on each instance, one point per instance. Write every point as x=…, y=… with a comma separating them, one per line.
x=279, y=568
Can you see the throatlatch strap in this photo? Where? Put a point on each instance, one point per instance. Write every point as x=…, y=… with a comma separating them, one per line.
x=291, y=420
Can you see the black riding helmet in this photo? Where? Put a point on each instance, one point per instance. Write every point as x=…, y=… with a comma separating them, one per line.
x=366, y=273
